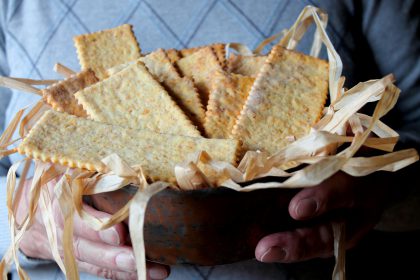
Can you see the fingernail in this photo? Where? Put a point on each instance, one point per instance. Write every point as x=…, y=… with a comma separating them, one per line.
x=306, y=208
x=274, y=254
x=110, y=236
x=157, y=273
x=125, y=262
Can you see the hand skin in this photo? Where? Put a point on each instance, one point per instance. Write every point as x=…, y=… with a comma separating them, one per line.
x=360, y=202
x=103, y=253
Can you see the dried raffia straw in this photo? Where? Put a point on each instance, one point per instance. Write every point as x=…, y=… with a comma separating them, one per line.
x=51, y=226
x=237, y=47
x=35, y=82
x=5, y=139
x=11, y=183
x=120, y=175
x=17, y=234
x=339, y=233
x=63, y=70
x=136, y=223
x=50, y=176
x=31, y=118
x=63, y=192
x=19, y=85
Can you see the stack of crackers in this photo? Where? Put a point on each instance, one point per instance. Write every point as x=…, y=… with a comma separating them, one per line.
x=155, y=109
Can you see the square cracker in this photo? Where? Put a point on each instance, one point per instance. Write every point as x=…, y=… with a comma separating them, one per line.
x=61, y=95
x=199, y=66
x=286, y=100
x=245, y=65
x=227, y=97
x=133, y=98
x=105, y=49
x=78, y=142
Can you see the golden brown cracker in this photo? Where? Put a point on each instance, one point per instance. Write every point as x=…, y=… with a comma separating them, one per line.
x=181, y=89
x=227, y=98
x=105, y=49
x=173, y=55
x=61, y=95
x=245, y=65
x=218, y=48
x=82, y=143
x=133, y=98
x=286, y=100
x=220, y=51
x=199, y=66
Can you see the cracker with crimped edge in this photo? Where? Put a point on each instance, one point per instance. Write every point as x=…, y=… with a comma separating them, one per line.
x=173, y=55
x=181, y=89
x=227, y=98
x=133, y=98
x=245, y=65
x=105, y=49
x=199, y=66
x=78, y=142
x=61, y=95
x=288, y=97
x=218, y=48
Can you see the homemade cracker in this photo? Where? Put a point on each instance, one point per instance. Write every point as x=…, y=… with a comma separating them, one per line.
x=200, y=65
x=82, y=143
x=61, y=95
x=133, y=98
x=219, y=50
x=114, y=70
x=173, y=55
x=287, y=98
x=245, y=65
x=105, y=49
x=181, y=89
x=227, y=98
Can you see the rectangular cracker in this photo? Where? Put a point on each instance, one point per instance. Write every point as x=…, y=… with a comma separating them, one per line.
x=61, y=95
x=245, y=65
x=105, y=49
x=286, y=100
x=173, y=55
x=133, y=98
x=227, y=98
x=199, y=66
x=181, y=89
x=218, y=48
x=82, y=143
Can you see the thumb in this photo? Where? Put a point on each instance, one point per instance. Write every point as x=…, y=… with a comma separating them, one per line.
x=339, y=191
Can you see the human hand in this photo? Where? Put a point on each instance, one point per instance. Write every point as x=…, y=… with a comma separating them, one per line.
x=101, y=253
x=359, y=202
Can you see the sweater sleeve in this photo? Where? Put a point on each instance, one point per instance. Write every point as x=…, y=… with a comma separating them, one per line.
x=5, y=95
x=392, y=31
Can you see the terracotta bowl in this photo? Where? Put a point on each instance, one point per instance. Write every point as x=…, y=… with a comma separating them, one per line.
x=206, y=227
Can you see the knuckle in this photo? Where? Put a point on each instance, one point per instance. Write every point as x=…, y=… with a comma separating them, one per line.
x=107, y=273
x=26, y=248
x=77, y=248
